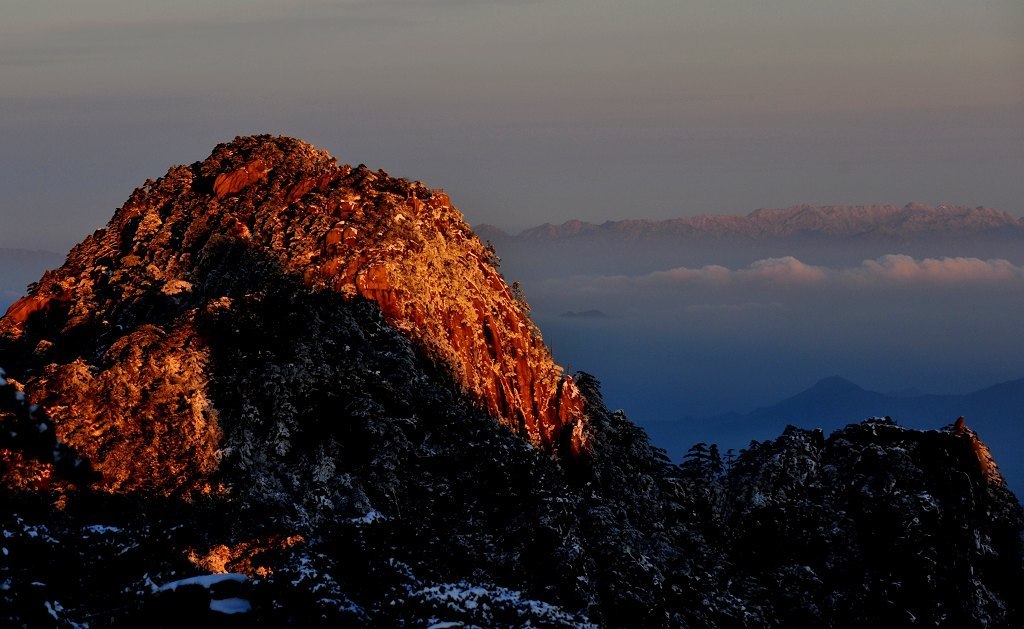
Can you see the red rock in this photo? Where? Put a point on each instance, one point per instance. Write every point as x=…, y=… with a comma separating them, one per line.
x=349, y=236
x=21, y=310
x=240, y=179
x=430, y=276
x=333, y=237
x=305, y=186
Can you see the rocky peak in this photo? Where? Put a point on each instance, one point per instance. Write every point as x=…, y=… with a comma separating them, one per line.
x=110, y=341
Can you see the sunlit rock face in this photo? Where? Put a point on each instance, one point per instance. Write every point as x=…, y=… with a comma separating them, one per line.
x=986, y=463
x=110, y=342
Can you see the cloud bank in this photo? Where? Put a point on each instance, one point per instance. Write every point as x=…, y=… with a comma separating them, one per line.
x=898, y=271
x=942, y=271
x=782, y=271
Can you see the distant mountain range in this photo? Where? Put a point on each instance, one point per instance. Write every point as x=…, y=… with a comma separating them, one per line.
x=814, y=234
x=839, y=221
x=996, y=412
x=836, y=400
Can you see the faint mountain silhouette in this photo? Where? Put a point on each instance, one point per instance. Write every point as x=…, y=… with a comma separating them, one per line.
x=996, y=412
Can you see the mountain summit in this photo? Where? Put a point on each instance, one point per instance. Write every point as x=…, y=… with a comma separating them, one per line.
x=278, y=391
x=124, y=316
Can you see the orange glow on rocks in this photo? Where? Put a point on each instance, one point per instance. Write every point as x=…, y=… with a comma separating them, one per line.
x=986, y=463
x=137, y=402
x=241, y=558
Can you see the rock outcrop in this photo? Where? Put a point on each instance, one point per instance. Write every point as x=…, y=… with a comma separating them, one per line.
x=109, y=341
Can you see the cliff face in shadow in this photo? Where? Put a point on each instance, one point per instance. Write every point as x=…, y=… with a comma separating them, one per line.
x=218, y=411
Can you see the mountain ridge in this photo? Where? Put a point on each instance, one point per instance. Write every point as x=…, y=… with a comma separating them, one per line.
x=832, y=386
x=836, y=221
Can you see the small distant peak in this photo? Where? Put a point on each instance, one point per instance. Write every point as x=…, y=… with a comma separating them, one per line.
x=544, y=230
x=574, y=227
x=836, y=384
x=774, y=213
x=486, y=231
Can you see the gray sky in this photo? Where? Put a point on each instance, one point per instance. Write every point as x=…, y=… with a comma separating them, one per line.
x=525, y=111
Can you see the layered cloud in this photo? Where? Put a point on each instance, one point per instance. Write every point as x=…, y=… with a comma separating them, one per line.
x=789, y=272
x=943, y=271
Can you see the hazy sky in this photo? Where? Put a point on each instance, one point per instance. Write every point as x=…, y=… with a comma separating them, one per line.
x=525, y=111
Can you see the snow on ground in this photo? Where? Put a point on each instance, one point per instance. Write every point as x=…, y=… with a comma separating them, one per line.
x=464, y=596
x=369, y=518
x=101, y=529
x=207, y=581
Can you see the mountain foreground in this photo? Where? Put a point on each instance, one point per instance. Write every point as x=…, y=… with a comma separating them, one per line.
x=276, y=390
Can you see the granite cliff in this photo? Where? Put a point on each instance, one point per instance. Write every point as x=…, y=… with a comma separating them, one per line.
x=110, y=341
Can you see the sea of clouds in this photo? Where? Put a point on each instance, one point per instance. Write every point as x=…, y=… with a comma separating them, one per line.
x=703, y=340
